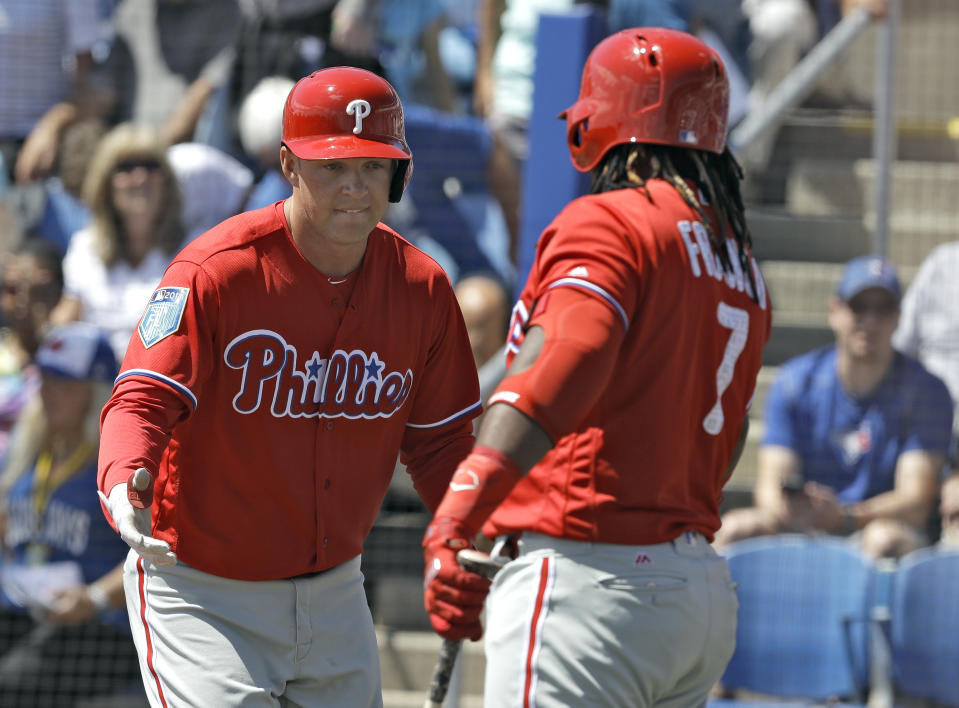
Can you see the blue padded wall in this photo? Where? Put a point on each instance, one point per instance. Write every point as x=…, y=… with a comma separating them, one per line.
x=549, y=180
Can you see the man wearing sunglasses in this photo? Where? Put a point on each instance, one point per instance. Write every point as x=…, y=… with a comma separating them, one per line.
x=856, y=433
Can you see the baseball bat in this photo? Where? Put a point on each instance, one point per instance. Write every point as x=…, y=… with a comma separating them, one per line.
x=474, y=562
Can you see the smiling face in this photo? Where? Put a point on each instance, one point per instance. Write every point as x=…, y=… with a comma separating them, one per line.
x=137, y=185
x=338, y=202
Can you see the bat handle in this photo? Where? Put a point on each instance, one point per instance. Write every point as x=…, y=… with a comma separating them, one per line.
x=441, y=676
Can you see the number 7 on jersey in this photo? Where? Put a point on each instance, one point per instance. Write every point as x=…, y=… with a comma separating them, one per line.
x=737, y=320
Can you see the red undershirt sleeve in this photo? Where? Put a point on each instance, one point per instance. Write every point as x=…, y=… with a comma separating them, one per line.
x=583, y=336
x=431, y=461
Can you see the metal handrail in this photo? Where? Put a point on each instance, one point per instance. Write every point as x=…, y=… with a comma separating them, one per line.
x=801, y=81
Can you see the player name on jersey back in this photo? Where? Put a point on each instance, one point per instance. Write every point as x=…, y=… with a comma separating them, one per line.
x=702, y=258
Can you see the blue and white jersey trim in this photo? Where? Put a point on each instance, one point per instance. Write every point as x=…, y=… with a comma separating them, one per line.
x=586, y=285
x=176, y=385
x=466, y=411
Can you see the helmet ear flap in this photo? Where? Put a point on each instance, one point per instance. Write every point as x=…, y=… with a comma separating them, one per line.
x=401, y=177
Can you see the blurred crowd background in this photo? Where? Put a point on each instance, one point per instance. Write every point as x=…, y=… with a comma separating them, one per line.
x=129, y=127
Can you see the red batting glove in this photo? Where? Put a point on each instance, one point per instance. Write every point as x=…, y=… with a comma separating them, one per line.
x=453, y=597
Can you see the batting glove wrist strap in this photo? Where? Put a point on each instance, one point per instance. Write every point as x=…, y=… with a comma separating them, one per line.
x=480, y=483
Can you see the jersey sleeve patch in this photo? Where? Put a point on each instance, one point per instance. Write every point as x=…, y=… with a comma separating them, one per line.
x=162, y=316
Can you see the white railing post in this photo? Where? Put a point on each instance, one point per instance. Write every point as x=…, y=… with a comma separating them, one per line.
x=884, y=136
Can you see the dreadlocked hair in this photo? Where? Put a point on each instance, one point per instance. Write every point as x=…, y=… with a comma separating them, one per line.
x=632, y=165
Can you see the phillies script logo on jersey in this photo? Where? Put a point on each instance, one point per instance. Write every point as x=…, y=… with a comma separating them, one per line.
x=351, y=384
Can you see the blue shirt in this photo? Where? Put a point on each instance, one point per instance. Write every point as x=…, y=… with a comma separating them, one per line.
x=852, y=444
x=70, y=528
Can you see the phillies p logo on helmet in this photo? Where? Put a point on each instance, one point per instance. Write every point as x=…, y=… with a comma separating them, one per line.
x=345, y=112
x=361, y=109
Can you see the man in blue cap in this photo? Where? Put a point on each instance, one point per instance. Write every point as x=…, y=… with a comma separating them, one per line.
x=856, y=434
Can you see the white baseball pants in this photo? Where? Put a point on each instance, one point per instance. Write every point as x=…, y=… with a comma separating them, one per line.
x=204, y=640
x=594, y=624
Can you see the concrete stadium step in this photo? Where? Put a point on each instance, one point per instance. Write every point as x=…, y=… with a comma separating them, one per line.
x=800, y=291
x=920, y=190
x=407, y=660
x=744, y=476
x=788, y=340
x=924, y=211
x=926, y=58
x=844, y=134
x=764, y=380
x=415, y=699
x=779, y=235
x=847, y=134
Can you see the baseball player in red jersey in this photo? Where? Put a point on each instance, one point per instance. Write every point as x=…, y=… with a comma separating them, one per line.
x=634, y=351
x=285, y=359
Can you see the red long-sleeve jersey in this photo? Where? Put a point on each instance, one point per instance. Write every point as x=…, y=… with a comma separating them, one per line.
x=271, y=403
x=649, y=459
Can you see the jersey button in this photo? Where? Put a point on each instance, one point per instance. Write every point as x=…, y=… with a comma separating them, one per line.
x=326, y=484
x=336, y=302
x=326, y=542
x=329, y=425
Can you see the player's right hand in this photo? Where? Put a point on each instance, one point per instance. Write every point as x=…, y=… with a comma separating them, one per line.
x=134, y=524
x=453, y=597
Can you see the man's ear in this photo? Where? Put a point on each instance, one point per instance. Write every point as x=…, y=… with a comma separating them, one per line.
x=289, y=163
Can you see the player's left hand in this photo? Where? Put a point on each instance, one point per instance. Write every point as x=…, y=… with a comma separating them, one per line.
x=452, y=596
x=133, y=525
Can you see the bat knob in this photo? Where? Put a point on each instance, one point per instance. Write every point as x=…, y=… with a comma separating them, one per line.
x=141, y=480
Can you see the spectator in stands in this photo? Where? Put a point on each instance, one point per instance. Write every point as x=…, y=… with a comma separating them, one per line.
x=112, y=267
x=856, y=434
x=929, y=325
x=292, y=38
x=46, y=54
x=63, y=634
x=260, y=127
x=486, y=308
x=170, y=65
x=409, y=36
x=32, y=282
x=949, y=513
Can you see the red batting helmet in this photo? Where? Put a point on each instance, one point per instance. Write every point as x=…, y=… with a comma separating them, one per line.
x=345, y=112
x=648, y=85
